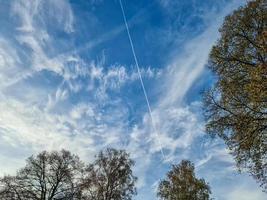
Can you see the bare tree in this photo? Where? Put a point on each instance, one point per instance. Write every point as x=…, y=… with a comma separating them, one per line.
x=62, y=176
x=110, y=177
x=47, y=176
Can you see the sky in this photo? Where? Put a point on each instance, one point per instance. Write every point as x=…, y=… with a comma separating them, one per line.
x=68, y=80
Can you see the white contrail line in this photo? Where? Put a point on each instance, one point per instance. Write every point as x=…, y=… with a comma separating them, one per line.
x=141, y=79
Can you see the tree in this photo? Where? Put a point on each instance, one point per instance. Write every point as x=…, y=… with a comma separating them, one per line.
x=62, y=176
x=181, y=184
x=47, y=176
x=236, y=106
x=110, y=177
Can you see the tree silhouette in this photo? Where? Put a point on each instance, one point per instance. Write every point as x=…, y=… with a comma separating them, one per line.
x=62, y=176
x=47, y=176
x=110, y=176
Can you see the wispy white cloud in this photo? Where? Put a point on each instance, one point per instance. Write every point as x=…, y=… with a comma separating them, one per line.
x=244, y=192
x=42, y=115
x=32, y=40
x=73, y=106
x=31, y=13
x=179, y=124
x=185, y=67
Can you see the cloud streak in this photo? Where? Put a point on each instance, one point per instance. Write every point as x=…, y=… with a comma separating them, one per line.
x=51, y=100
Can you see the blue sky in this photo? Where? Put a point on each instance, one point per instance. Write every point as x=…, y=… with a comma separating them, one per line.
x=68, y=80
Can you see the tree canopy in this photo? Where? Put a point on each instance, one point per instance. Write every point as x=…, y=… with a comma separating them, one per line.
x=236, y=106
x=61, y=175
x=46, y=176
x=182, y=184
x=110, y=177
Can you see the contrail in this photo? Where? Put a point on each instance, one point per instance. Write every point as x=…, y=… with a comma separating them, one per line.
x=140, y=77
